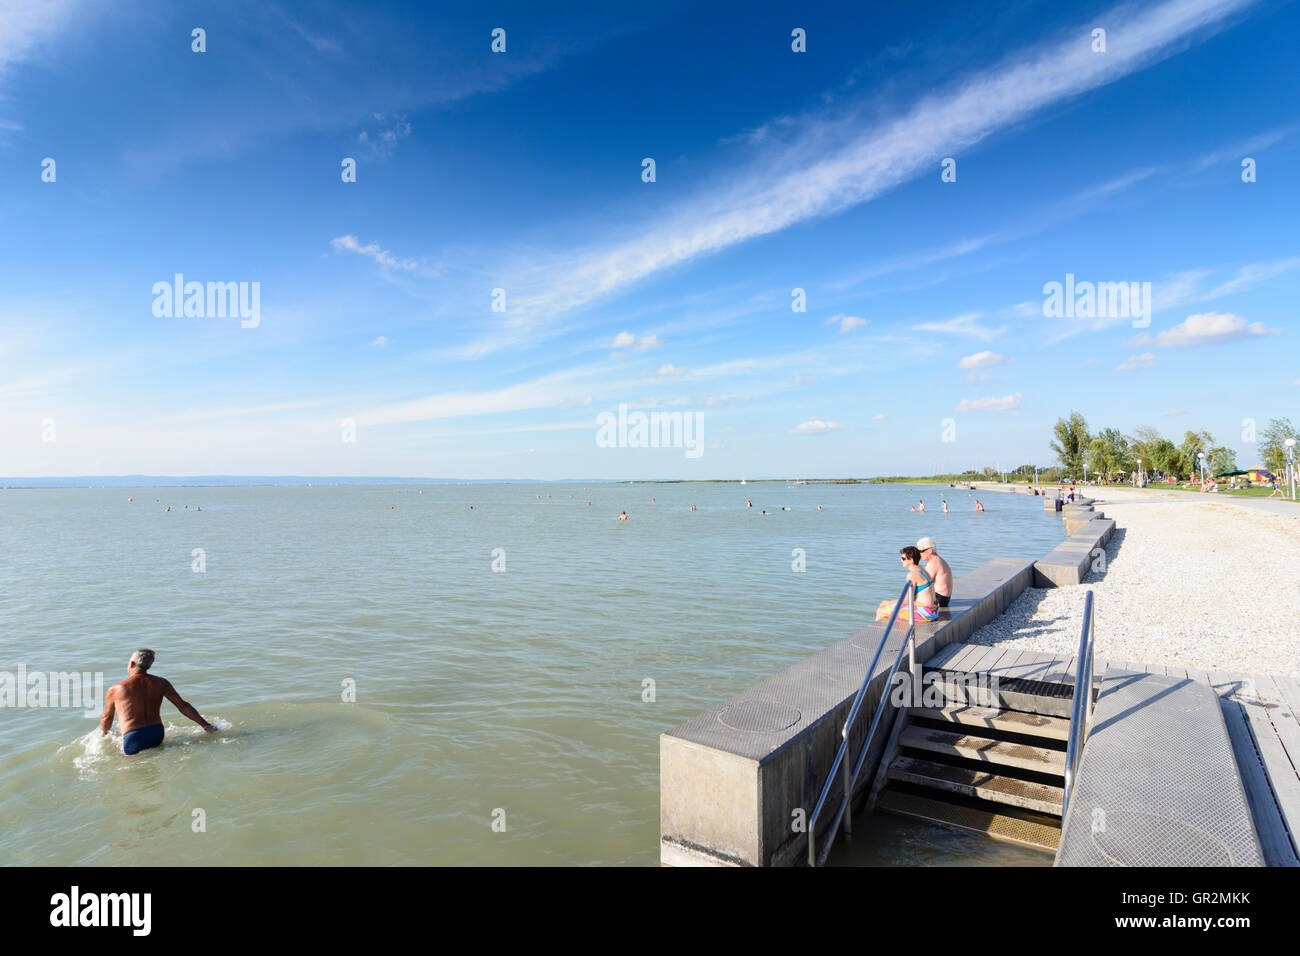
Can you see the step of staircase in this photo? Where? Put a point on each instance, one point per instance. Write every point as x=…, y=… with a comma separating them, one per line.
x=982, y=784
x=1011, y=721
x=988, y=822
x=996, y=752
x=1027, y=696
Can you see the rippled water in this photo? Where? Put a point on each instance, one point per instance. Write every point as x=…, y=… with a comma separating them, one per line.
x=476, y=690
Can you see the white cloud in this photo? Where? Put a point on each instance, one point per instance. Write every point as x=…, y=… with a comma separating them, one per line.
x=818, y=171
x=381, y=256
x=967, y=324
x=723, y=401
x=1135, y=362
x=815, y=426
x=1006, y=403
x=1191, y=285
x=1208, y=328
x=382, y=141
x=878, y=418
x=1175, y=411
x=671, y=371
x=25, y=27
x=985, y=359
x=626, y=340
x=382, y=340
x=24, y=24
x=1253, y=274
x=847, y=323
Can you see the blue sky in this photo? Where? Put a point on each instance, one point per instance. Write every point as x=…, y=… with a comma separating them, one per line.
x=774, y=170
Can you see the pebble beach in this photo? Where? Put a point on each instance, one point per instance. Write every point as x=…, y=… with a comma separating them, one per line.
x=1192, y=580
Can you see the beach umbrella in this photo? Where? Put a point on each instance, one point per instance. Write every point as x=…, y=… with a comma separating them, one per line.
x=1261, y=474
x=1231, y=474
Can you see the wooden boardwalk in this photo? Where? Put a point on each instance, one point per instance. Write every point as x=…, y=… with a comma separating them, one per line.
x=1262, y=714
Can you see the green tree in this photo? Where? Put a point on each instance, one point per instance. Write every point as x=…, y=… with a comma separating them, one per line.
x=1157, y=453
x=1271, y=446
x=1109, y=452
x=1143, y=443
x=1071, y=443
x=1194, y=443
x=1164, y=457
x=1219, y=459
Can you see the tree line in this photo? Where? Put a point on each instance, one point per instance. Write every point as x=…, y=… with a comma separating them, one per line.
x=1111, y=451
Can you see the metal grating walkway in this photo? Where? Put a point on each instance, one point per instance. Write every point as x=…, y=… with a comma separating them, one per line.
x=1262, y=718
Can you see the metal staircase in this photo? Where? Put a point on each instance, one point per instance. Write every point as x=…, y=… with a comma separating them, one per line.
x=1001, y=765
x=990, y=770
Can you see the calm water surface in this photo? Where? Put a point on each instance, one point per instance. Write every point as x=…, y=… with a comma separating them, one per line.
x=476, y=690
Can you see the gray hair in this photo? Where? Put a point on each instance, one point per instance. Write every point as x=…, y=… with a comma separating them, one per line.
x=143, y=658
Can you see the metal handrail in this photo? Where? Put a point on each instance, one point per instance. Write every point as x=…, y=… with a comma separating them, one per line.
x=1081, y=705
x=843, y=814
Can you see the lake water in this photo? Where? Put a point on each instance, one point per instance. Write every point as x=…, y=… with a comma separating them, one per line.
x=513, y=696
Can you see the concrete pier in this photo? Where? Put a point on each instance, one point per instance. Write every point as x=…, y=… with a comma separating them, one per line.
x=1181, y=768
x=736, y=779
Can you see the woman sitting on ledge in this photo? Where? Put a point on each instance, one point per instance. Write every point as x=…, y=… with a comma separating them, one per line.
x=923, y=612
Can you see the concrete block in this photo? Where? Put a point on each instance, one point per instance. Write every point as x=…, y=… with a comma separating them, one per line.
x=1068, y=564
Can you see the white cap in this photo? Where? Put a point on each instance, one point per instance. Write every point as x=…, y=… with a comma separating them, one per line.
x=924, y=543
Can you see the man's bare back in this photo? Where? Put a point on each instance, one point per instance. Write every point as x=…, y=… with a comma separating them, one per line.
x=137, y=702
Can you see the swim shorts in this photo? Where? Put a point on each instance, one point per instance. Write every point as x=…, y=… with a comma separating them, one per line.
x=142, y=738
x=944, y=599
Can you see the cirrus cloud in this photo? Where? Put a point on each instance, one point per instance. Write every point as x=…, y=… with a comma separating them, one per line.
x=1006, y=403
x=815, y=426
x=372, y=250
x=985, y=359
x=1135, y=362
x=847, y=323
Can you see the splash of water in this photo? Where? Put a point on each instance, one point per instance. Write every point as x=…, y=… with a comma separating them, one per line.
x=95, y=751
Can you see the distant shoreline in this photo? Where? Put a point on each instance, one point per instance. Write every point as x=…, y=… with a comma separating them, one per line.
x=286, y=481
x=261, y=481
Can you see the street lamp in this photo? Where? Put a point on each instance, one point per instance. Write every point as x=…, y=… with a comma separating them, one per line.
x=1200, y=455
x=1139, y=472
x=1291, y=464
x=1085, y=473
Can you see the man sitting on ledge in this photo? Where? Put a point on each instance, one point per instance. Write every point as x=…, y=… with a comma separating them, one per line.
x=938, y=569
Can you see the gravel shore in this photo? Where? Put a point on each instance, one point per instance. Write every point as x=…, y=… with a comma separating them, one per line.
x=1190, y=580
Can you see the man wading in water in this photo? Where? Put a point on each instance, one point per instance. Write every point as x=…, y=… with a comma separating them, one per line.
x=139, y=699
